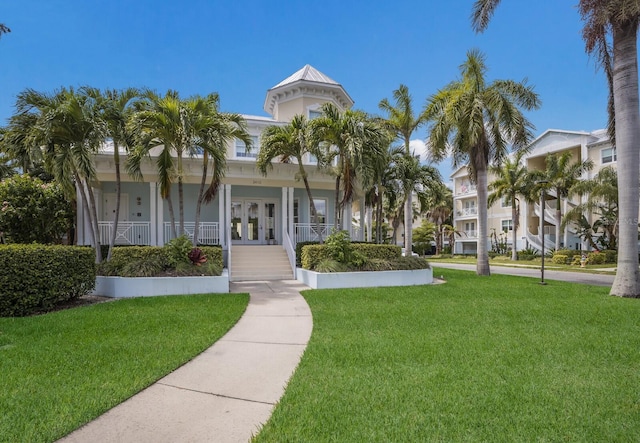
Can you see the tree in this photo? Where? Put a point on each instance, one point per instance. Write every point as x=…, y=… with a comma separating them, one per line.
x=402, y=122
x=439, y=211
x=560, y=175
x=512, y=181
x=67, y=132
x=43, y=205
x=115, y=109
x=477, y=121
x=290, y=144
x=610, y=31
x=424, y=235
x=602, y=202
x=356, y=144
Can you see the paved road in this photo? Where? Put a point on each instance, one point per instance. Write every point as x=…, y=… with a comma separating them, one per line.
x=575, y=277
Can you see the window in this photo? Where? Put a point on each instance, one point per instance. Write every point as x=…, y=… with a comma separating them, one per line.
x=314, y=114
x=321, y=209
x=507, y=225
x=241, y=148
x=609, y=155
x=470, y=229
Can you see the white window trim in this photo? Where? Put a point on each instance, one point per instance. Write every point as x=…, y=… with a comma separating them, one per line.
x=326, y=207
x=254, y=149
x=613, y=156
x=509, y=225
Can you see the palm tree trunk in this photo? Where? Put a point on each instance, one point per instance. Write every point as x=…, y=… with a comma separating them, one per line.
x=172, y=215
x=483, y=253
x=93, y=217
x=312, y=205
x=627, y=120
x=336, y=220
x=408, y=222
x=514, y=231
x=203, y=181
x=85, y=207
x=116, y=216
x=558, y=220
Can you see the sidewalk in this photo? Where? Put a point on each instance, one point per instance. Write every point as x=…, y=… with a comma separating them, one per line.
x=226, y=393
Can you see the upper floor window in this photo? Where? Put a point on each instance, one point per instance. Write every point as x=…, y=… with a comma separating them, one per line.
x=505, y=202
x=314, y=114
x=507, y=225
x=609, y=155
x=241, y=148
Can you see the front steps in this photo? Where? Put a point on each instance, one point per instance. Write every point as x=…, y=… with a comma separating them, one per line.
x=260, y=262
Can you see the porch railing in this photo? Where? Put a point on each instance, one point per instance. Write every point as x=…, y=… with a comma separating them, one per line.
x=128, y=233
x=208, y=232
x=309, y=231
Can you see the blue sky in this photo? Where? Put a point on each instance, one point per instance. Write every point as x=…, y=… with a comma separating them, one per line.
x=242, y=48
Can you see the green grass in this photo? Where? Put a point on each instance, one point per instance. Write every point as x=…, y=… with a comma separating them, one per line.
x=535, y=263
x=497, y=359
x=60, y=370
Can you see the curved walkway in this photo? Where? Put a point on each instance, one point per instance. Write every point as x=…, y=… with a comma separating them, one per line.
x=226, y=393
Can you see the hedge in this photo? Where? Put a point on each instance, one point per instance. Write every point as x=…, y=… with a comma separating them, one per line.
x=314, y=253
x=37, y=277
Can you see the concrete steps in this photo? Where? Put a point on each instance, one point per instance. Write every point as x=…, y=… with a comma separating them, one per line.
x=259, y=262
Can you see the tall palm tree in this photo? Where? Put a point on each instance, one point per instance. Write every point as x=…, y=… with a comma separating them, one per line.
x=602, y=201
x=477, y=121
x=403, y=122
x=68, y=130
x=560, y=176
x=116, y=110
x=356, y=143
x=439, y=212
x=290, y=144
x=512, y=182
x=617, y=20
x=214, y=130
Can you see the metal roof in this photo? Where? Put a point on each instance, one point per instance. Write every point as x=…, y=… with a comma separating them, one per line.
x=308, y=73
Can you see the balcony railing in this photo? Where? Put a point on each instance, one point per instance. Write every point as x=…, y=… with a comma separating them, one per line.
x=467, y=189
x=128, y=233
x=470, y=234
x=467, y=211
x=208, y=232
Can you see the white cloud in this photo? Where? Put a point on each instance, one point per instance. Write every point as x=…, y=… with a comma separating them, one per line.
x=418, y=147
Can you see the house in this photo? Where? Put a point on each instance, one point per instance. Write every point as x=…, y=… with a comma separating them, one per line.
x=250, y=209
x=582, y=145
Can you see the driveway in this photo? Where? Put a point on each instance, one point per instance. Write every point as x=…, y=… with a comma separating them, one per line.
x=573, y=277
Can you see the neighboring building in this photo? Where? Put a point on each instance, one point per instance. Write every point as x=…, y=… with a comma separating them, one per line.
x=250, y=209
x=582, y=145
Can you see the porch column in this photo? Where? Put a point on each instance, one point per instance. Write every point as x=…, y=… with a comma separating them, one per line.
x=97, y=195
x=292, y=233
x=153, y=216
x=222, y=220
x=159, y=227
x=285, y=208
x=369, y=224
x=346, y=219
x=227, y=215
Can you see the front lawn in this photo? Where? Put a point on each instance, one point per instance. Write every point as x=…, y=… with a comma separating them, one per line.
x=497, y=359
x=62, y=369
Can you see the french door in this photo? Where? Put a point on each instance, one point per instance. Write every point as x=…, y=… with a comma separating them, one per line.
x=253, y=221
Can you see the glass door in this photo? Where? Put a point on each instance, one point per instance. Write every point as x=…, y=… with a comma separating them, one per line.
x=254, y=227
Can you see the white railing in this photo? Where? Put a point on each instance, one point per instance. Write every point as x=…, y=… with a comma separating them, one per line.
x=208, y=232
x=291, y=253
x=467, y=211
x=309, y=231
x=467, y=189
x=128, y=233
x=549, y=238
x=471, y=234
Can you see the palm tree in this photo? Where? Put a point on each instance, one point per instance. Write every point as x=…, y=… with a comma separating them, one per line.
x=512, y=181
x=213, y=131
x=402, y=122
x=477, y=121
x=560, y=175
x=602, y=201
x=290, y=144
x=68, y=130
x=619, y=20
x=356, y=143
x=439, y=212
x=116, y=110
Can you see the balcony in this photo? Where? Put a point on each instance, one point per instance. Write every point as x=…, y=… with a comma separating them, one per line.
x=208, y=232
x=467, y=212
x=128, y=233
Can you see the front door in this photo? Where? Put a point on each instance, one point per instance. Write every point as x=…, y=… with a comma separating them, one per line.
x=253, y=222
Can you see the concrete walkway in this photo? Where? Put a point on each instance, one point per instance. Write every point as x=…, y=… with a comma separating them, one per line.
x=568, y=276
x=226, y=393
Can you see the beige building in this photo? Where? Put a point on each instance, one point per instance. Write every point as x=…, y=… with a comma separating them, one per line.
x=582, y=145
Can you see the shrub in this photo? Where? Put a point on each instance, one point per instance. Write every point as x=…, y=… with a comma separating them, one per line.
x=528, y=253
x=570, y=253
x=299, y=247
x=312, y=254
x=33, y=211
x=596, y=258
x=559, y=259
x=129, y=257
x=177, y=250
x=37, y=277
x=329, y=265
x=384, y=252
x=611, y=256
x=410, y=263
